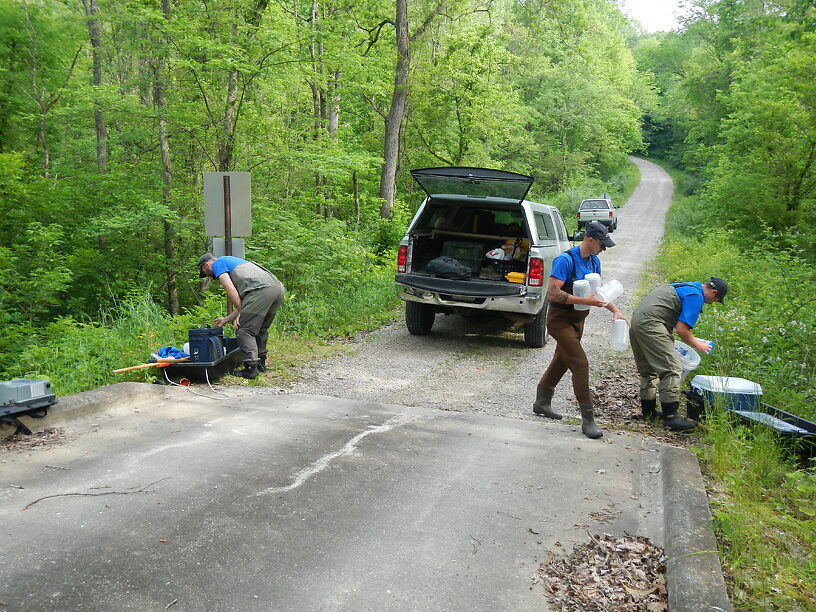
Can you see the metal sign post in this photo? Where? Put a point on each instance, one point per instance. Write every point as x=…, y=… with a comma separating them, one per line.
x=227, y=216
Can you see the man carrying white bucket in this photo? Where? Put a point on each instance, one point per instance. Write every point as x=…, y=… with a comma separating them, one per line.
x=669, y=308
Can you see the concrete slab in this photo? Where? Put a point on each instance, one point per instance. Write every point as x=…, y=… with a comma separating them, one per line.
x=296, y=502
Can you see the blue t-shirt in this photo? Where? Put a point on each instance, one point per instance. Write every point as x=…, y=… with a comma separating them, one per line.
x=562, y=265
x=227, y=263
x=691, y=301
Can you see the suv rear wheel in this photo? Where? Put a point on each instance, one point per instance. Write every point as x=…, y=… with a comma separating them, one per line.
x=419, y=318
x=535, y=332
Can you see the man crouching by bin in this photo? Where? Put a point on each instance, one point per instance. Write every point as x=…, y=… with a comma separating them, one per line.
x=256, y=294
x=566, y=325
x=669, y=308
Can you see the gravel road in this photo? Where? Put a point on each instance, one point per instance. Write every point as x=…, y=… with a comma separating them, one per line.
x=487, y=368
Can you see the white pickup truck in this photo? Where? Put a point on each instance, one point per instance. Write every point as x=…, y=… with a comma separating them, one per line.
x=598, y=209
x=503, y=243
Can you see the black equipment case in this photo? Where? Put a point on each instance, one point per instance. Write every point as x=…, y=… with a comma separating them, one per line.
x=206, y=344
x=212, y=355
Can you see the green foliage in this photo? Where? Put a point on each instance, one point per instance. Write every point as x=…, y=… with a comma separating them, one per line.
x=766, y=331
x=763, y=514
x=79, y=355
x=298, y=100
x=577, y=77
x=619, y=186
x=762, y=498
x=765, y=174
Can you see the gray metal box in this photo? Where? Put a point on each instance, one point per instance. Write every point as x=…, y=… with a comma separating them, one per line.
x=26, y=392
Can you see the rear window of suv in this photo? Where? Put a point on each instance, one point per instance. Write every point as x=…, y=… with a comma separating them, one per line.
x=588, y=204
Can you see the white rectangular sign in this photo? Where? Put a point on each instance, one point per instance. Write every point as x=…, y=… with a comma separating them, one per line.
x=240, y=203
x=238, y=248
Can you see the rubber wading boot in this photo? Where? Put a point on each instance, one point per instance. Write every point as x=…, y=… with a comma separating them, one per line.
x=543, y=403
x=250, y=370
x=588, y=426
x=262, y=363
x=649, y=409
x=672, y=421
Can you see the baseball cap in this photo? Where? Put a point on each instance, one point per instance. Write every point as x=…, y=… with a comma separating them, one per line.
x=202, y=260
x=599, y=232
x=720, y=285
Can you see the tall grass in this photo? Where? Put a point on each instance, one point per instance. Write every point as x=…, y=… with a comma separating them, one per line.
x=80, y=355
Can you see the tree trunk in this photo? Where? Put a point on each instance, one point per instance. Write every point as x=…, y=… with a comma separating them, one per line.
x=356, y=185
x=226, y=143
x=334, y=107
x=225, y=147
x=164, y=147
x=44, y=144
x=393, y=122
x=95, y=35
x=226, y=140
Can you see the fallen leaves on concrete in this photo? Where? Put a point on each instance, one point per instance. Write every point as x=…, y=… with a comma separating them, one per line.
x=38, y=439
x=607, y=573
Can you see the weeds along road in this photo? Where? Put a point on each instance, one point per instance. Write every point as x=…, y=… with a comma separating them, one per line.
x=487, y=368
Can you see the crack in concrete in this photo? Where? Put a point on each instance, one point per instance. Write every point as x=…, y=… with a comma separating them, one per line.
x=323, y=462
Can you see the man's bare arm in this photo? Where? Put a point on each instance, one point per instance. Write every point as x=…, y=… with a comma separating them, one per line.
x=554, y=291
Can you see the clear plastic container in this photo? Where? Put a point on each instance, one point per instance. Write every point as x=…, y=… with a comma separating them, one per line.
x=689, y=358
x=610, y=291
x=619, y=340
x=594, y=281
x=580, y=288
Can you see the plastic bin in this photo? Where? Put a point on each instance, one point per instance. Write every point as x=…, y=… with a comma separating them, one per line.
x=507, y=266
x=783, y=422
x=689, y=358
x=735, y=393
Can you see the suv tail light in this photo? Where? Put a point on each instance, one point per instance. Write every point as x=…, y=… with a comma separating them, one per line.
x=402, y=258
x=535, y=275
x=579, y=215
x=610, y=214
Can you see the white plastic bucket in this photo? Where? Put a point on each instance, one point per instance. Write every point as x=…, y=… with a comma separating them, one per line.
x=580, y=288
x=594, y=281
x=689, y=358
x=619, y=340
x=610, y=291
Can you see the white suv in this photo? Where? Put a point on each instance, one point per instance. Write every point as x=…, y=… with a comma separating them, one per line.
x=476, y=246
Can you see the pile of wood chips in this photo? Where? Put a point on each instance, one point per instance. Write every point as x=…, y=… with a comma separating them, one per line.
x=607, y=574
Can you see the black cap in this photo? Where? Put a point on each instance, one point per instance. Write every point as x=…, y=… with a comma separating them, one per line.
x=599, y=232
x=202, y=260
x=720, y=285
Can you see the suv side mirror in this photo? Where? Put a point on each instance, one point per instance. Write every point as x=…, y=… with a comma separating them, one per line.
x=578, y=235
